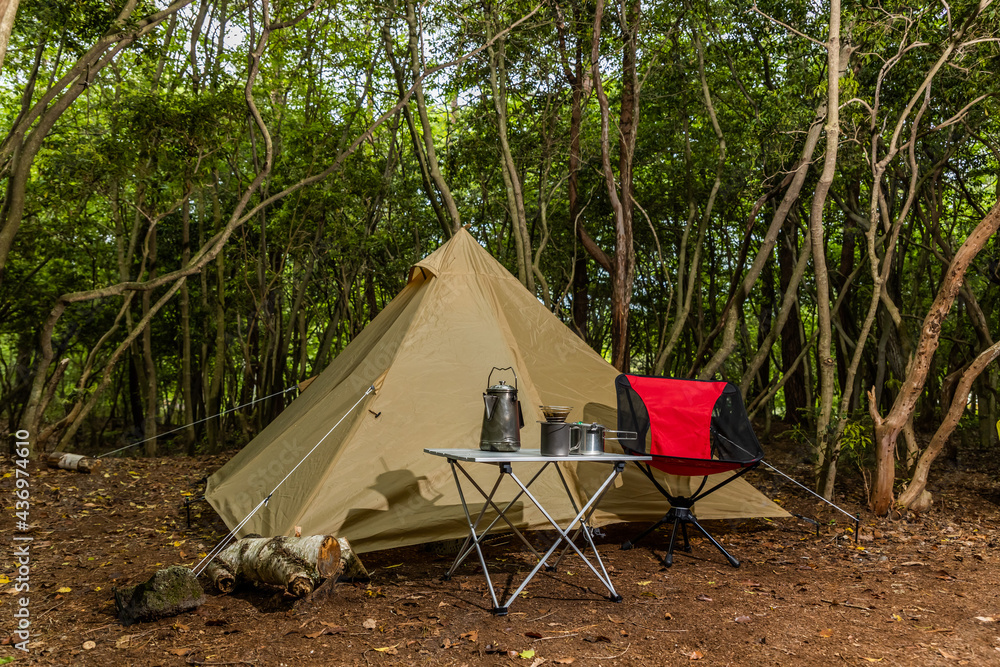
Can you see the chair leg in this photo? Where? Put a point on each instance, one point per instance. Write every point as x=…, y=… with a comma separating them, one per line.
x=687, y=543
x=693, y=521
x=668, y=560
x=628, y=544
x=680, y=517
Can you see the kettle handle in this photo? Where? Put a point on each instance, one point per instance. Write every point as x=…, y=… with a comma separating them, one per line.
x=505, y=368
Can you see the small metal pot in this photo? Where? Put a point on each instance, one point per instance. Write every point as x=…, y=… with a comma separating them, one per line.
x=593, y=440
x=596, y=434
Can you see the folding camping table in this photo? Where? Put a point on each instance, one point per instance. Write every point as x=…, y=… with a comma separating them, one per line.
x=505, y=463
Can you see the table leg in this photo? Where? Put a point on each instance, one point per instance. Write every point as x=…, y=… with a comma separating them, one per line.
x=472, y=535
x=585, y=511
x=501, y=514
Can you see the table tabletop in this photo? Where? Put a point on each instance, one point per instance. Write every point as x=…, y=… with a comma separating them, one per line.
x=529, y=456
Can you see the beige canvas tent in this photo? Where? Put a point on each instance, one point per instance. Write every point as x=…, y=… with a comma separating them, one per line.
x=428, y=356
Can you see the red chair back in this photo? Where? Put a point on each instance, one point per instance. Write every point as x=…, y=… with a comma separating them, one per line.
x=690, y=427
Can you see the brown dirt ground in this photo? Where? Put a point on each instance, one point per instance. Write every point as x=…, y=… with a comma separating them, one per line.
x=915, y=590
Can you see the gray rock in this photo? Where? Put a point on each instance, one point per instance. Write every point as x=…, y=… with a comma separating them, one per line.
x=168, y=592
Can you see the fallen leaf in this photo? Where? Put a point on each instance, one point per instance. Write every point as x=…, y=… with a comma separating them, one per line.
x=370, y=624
x=742, y=619
x=332, y=629
x=533, y=635
x=180, y=627
x=314, y=635
x=946, y=655
x=64, y=589
x=703, y=598
x=527, y=654
x=877, y=659
x=472, y=635
x=180, y=651
x=89, y=644
x=124, y=641
x=564, y=661
x=695, y=655
x=643, y=583
x=826, y=633
x=536, y=662
x=388, y=650
x=985, y=619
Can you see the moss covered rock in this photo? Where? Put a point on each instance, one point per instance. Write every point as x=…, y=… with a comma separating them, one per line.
x=169, y=592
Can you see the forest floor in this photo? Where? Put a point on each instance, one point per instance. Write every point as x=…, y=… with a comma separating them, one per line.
x=914, y=590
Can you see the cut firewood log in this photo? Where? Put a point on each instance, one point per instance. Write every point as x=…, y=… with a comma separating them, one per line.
x=220, y=576
x=353, y=568
x=299, y=564
x=77, y=462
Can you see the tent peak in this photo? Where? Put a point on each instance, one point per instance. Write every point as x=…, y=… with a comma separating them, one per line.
x=459, y=254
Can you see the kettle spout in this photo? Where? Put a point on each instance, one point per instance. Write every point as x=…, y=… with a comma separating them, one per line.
x=491, y=403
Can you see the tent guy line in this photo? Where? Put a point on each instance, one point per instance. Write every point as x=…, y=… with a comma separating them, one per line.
x=856, y=518
x=200, y=567
x=194, y=423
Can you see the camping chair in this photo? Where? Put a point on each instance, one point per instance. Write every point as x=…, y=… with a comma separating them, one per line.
x=691, y=428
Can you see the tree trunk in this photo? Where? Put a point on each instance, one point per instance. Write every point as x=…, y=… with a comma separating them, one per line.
x=511, y=177
x=624, y=263
x=185, y=306
x=825, y=361
x=918, y=484
x=418, y=148
x=149, y=364
x=791, y=339
x=887, y=429
x=8, y=10
x=425, y=124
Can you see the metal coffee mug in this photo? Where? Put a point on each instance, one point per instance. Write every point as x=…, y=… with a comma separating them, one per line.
x=560, y=439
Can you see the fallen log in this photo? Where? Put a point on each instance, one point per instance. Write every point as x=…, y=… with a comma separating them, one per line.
x=298, y=564
x=77, y=462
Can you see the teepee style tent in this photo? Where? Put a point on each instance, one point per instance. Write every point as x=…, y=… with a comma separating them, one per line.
x=428, y=356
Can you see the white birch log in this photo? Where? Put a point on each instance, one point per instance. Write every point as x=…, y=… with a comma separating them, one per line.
x=299, y=564
x=77, y=462
x=220, y=576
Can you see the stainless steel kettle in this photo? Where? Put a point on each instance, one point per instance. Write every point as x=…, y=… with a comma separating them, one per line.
x=502, y=418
